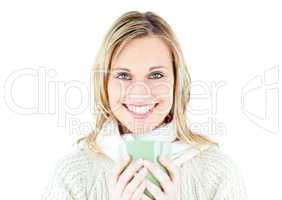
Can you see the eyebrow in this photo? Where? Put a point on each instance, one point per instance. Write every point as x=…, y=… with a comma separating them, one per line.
x=126, y=69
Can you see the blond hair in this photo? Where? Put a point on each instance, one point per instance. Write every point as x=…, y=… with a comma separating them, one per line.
x=129, y=26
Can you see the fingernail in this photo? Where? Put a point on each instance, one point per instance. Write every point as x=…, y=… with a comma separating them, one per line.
x=163, y=157
x=144, y=182
x=144, y=171
x=146, y=162
x=127, y=157
x=140, y=160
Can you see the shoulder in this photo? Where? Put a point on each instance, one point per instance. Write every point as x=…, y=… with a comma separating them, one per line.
x=220, y=172
x=74, y=161
x=72, y=172
x=214, y=159
x=79, y=162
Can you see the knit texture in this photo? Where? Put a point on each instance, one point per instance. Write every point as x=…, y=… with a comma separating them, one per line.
x=84, y=175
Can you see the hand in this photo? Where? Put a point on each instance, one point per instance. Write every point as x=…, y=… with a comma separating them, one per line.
x=170, y=184
x=125, y=184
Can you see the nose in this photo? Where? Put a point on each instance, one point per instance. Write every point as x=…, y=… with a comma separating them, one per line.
x=139, y=93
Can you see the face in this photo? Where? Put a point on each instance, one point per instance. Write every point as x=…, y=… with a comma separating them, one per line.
x=140, y=87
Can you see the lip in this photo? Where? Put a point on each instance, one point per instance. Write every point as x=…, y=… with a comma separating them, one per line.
x=140, y=116
x=139, y=105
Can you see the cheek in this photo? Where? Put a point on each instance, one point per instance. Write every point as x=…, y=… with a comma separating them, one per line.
x=116, y=90
x=164, y=93
x=113, y=92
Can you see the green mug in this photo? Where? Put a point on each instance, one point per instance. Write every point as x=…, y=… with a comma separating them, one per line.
x=149, y=150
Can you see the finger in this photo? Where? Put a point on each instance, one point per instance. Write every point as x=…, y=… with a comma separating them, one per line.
x=162, y=177
x=172, y=169
x=154, y=190
x=120, y=168
x=135, y=182
x=140, y=191
x=128, y=173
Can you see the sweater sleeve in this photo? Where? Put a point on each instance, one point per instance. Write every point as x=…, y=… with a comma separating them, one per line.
x=67, y=179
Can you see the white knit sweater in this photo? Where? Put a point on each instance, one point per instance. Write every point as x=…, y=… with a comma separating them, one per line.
x=84, y=175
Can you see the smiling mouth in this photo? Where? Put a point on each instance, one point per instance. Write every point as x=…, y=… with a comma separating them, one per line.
x=140, y=110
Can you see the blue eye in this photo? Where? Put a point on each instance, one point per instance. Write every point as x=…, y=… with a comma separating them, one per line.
x=121, y=74
x=124, y=75
x=159, y=75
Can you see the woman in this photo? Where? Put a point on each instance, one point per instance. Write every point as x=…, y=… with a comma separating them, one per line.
x=142, y=88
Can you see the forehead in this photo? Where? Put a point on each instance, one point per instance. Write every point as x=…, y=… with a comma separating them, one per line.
x=145, y=53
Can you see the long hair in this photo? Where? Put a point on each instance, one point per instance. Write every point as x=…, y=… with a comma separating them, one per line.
x=129, y=26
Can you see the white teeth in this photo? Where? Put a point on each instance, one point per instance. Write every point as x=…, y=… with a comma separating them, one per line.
x=139, y=109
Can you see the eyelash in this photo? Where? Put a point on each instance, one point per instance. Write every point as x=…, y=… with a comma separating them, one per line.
x=124, y=73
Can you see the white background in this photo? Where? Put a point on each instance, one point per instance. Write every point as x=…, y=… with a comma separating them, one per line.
x=233, y=51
